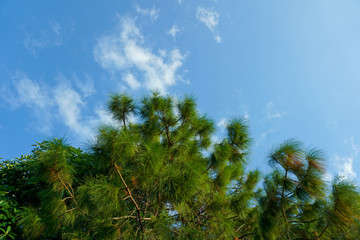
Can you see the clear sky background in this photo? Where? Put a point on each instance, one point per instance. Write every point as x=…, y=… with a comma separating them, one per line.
x=291, y=68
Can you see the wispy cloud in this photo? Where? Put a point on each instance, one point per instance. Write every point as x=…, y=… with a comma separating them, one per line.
x=33, y=44
x=124, y=51
x=210, y=18
x=152, y=13
x=51, y=104
x=29, y=92
x=328, y=177
x=263, y=137
x=48, y=37
x=222, y=123
x=69, y=104
x=55, y=26
x=354, y=147
x=131, y=81
x=245, y=111
x=33, y=95
x=84, y=84
x=173, y=31
x=104, y=116
x=345, y=164
x=272, y=113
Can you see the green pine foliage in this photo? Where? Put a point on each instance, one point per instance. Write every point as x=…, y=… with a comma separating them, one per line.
x=158, y=174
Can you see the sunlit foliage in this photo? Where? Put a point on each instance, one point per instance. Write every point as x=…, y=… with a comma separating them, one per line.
x=158, y=174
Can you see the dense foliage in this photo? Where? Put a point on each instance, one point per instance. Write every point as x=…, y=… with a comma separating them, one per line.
x=158, y=174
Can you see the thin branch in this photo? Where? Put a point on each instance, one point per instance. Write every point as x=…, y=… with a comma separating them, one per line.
x=240, y=227
x=71, y=194
x=282, y=205
x=297, y=186
x=126, y=198
x=323, y=231
x=71, y=210
x=167, y=130
x=126, y=217
x=67, y=211
x=131, y=197
x=64, y=199
x=124, y=123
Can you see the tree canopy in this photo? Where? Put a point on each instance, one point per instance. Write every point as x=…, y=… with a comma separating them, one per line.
x=159, y=173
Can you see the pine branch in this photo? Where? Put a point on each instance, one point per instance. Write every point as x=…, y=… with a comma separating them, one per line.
x=292, y=192
x=65, y=186
x=167, y=130
x=282, y=205
x=129, y=216
x=71, y=194
x=67, y=211
x=131, y=197
x=64, y=199
x=125, y=217
x=238, y=229
x=71, y=210
x=124, y=124
x=323, y=231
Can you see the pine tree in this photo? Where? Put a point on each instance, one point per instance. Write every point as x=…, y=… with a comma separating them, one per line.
x=158, y=177
x=296, y=204
x=158, y=173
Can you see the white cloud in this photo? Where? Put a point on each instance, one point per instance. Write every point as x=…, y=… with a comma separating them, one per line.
x=33, y=44
x=33, y=95
x=29, y=92
x=125, y=51
x=153, y=13
x=245, y=111
x=345, y=164
x=328, y=177
x=263, y=136
x=55, y=27
x=222, y=123
x=45, y=38
x=217, y=38
x=69, y=104
x=131, y=81
x=50, y=105
x=173, y=31
x=104, y=116
x=85, y=85
x=210, y=18
x=272, y=113
x=180, y=1
x=355, y=148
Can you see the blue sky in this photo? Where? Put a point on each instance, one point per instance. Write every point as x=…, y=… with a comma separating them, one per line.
x=291, y=68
